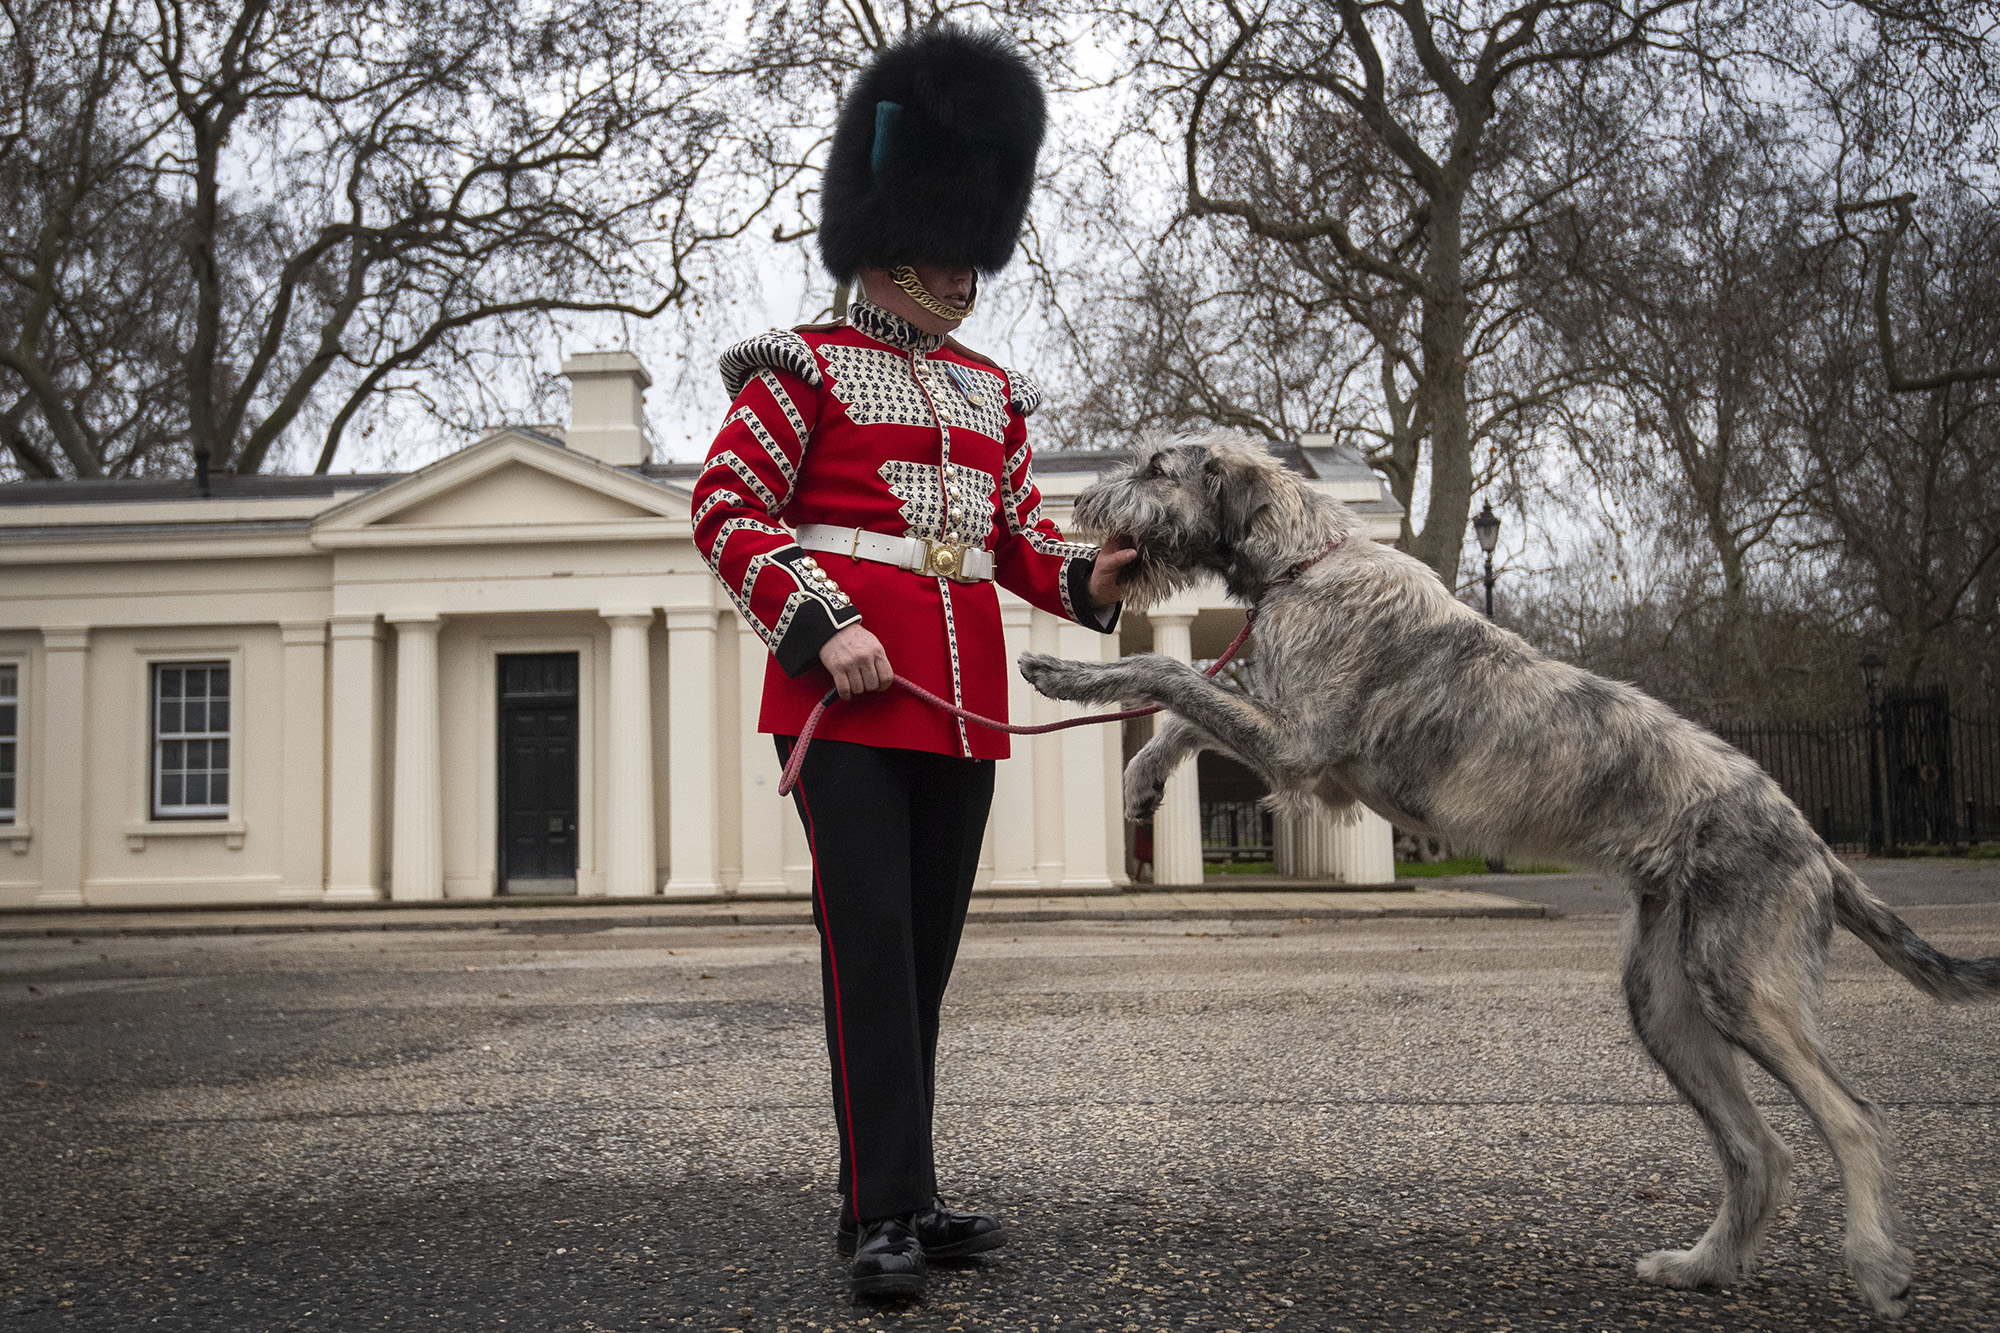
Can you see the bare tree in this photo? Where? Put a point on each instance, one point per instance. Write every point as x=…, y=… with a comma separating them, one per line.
x=1900, y=209
x=1689, y=276
x=93, y=292
x=1906, y=484
x=359, y=190
x=1404, y=157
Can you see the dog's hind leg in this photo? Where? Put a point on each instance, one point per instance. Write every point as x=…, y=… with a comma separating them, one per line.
x=1759, y=993
x=1174, y=740
x=1703, y=1065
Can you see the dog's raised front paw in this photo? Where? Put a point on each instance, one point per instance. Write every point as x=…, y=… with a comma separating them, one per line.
x=1059, y=678
x=1142, y=794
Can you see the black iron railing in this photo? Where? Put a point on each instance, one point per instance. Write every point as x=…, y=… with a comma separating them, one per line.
x=1936, y=772
x=1236, y=831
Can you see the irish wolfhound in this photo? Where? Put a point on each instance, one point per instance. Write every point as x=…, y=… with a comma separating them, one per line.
x=1370, y=682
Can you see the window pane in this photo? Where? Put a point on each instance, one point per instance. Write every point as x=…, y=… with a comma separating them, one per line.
x=170, y=789
x=7, y=791
x=218, y=682
x=6, y=719
x=218, y=756
x=10, y=682
x=194, y=717
x=218, y=789
x=173, y=756
x=170, y=682
x=218, y=716
x=170, y=718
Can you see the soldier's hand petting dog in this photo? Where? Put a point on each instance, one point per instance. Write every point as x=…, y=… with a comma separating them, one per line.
x=1109, y=570
x=856, y=661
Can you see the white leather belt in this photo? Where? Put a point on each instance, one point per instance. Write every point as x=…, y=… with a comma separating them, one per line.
x=919, y=555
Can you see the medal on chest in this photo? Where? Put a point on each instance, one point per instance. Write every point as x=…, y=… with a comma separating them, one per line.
x=963, y=381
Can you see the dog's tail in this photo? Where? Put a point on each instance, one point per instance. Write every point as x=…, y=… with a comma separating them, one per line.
x=1953, y=980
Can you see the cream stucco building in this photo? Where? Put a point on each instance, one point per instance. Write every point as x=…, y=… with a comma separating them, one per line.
x=509, y=671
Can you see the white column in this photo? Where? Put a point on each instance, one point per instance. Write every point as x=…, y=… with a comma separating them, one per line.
x=1364, y=849
x=1356, y=847
x=1086, y=784
x=629, y=866
x=765, y=813
x=354, y=763
x=416, y=858
x=304, y=740
x=1177, y=821
x=692, y=810
x=1045, y=636
x=1013, y=819
x=63, y=737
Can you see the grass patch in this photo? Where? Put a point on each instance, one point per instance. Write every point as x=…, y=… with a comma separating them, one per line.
x=1457, y=865
x=1469, y=865
x=1984, y=851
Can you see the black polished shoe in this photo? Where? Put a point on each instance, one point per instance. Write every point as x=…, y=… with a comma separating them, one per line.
x=945, y=1233
x=888, y=1260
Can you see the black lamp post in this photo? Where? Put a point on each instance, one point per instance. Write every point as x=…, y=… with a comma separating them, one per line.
x=1878, y=824
x=1487, y=528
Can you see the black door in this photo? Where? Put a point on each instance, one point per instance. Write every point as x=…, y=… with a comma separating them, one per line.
x=538, y=773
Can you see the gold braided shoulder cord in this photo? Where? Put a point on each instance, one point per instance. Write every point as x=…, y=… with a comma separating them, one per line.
x=906, y=277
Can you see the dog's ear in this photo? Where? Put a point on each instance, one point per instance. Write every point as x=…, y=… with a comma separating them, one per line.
x=1241, y=493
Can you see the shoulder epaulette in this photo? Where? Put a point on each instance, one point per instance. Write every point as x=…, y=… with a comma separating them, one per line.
x=1025, y=395
x=776, y=349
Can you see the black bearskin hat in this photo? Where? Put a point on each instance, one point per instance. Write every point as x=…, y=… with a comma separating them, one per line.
x=933, y=156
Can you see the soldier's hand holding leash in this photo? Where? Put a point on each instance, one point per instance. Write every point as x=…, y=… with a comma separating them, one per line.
x=856, y=661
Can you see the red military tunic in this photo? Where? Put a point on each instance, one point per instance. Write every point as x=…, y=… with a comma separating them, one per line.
x=877, y=425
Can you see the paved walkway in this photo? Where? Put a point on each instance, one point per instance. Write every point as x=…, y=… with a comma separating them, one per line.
x=1386, y=1126
x=572, y=917
x=1901, y=883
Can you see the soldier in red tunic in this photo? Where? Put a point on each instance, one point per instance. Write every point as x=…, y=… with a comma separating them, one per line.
x=871, y=485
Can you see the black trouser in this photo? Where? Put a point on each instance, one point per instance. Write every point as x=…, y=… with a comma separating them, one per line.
x=895, y=840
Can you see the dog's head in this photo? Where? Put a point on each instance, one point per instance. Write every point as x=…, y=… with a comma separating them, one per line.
x=1196, y=505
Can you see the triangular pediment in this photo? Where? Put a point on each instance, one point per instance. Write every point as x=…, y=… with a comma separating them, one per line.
x=513, y=484
x=517, y=493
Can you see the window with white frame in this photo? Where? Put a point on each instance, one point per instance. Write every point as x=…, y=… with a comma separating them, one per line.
x=190, y=740
x=10, y=736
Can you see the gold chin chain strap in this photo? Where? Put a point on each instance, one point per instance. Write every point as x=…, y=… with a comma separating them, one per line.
x=906, y=277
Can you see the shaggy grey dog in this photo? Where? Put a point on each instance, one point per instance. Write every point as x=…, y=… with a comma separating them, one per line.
x=1370, y=682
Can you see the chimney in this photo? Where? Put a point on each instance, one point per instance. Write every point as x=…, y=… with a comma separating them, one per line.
x=607, y=407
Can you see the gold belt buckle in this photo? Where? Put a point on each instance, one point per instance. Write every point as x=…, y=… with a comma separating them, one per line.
x=944, y=559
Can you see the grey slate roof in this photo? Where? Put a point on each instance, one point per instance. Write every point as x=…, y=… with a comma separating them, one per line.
x=221, y=485
x=1323, y=462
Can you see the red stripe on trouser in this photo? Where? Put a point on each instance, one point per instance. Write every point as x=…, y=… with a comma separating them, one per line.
x=840, y=1032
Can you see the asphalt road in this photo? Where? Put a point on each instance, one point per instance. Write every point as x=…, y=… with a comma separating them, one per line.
x=1900, y=882
x=1358, y=1125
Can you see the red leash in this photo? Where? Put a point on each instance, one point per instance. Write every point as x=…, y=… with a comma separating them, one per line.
x=790, y=778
